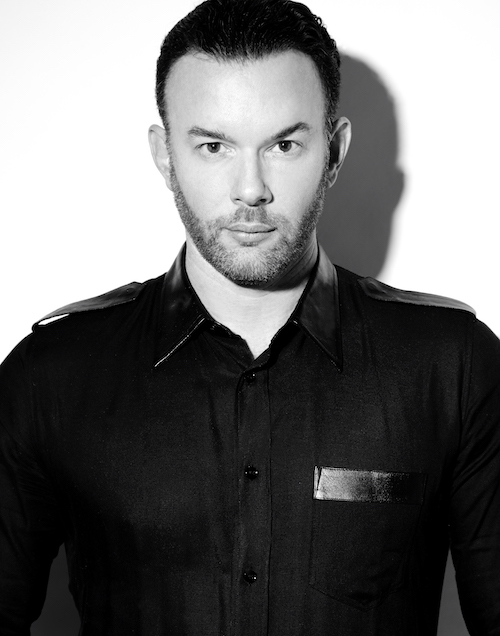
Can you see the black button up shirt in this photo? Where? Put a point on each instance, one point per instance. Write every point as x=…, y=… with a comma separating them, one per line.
x=199, y=492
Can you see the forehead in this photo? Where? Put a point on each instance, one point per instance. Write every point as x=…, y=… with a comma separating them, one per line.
x=278, y=90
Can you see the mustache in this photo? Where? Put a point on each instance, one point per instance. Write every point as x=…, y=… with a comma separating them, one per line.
x=250, y=215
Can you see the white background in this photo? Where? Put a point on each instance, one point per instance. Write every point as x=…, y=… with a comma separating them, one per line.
x=83, y=209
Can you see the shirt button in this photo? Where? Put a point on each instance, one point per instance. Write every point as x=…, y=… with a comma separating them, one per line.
x=251, y=377
x=249, y=576
x=251, y=472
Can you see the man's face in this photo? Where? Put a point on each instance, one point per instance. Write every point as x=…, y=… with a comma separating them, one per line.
x=248, y=159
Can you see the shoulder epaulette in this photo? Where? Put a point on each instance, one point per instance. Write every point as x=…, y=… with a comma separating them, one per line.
x=379, y=291
x=118, y=296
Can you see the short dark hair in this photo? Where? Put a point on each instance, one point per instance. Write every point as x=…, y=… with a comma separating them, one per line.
x=252, y=29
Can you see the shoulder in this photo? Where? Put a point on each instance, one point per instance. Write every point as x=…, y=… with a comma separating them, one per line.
x=409, y=320
x=87, y=327
x=86, y=330
x=119, y=296
x=376, y=290
x=377, y=295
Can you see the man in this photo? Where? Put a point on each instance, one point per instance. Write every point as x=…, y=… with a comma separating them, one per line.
x=257, y=442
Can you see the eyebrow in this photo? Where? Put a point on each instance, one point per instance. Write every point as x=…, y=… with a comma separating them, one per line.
x=290, y=130
x=197, y=131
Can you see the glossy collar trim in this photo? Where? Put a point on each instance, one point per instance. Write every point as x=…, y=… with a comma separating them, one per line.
x=317, y=311
x=182, y=311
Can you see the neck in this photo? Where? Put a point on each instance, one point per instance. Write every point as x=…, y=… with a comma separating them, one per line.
x=256, y=314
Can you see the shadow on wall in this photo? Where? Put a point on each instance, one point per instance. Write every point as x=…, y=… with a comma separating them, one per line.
x=355, y=231
x=355, y=227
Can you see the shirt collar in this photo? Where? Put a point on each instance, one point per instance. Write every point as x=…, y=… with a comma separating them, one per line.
x=317, y=312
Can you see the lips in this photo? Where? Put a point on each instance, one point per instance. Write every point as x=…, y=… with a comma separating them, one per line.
x=250, y=228
x=249, y=234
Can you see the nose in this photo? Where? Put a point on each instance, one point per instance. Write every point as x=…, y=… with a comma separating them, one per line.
x=249, y=187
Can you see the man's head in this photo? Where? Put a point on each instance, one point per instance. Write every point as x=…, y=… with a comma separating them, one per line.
x=251, y=142
x=244, y=30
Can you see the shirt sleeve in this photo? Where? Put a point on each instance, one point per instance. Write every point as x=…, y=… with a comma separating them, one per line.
x=30, y=527
x=475, y=496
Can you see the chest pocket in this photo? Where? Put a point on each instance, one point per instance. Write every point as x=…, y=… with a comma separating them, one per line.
x=363, y=526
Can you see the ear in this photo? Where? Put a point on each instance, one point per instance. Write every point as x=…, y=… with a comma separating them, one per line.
x=339, y=145
x=161, y=157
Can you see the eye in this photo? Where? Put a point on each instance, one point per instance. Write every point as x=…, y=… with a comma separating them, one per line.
x=286, y=147
x=213, y=147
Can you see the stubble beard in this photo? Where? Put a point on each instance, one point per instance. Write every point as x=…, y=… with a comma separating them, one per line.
x=251, y=266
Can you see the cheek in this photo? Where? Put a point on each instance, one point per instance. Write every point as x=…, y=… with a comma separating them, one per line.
x=203, y=190
x=295, y=189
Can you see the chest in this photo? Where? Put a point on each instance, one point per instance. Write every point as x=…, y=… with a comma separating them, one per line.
x=166, y=442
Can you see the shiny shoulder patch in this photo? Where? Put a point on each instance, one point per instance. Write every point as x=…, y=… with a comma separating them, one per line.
x=380, y=291
x=118, y=296
x=368, y=486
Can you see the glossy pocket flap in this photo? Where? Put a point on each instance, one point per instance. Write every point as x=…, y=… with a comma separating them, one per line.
x=374, y=486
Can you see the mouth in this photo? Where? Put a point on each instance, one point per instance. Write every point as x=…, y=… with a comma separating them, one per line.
x=250, y=233
x=250, y=228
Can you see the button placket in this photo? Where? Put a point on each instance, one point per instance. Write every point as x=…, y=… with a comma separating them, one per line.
x=254, y=497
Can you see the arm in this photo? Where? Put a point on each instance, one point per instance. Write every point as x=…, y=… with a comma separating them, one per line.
x=30, y=528
x=475, y=496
